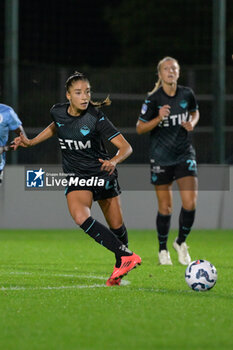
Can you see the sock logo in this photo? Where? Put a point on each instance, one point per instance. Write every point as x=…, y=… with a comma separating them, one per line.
x=185, y=228
x=125, y=249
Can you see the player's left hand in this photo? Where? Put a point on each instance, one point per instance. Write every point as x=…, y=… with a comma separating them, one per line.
x=188, y=126
x=107, y=165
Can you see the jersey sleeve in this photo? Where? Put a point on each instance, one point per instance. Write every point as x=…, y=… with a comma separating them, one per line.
x=13, y=120
x=106, y=128
x=192, y=106
x=52, y=113
x=149, y=110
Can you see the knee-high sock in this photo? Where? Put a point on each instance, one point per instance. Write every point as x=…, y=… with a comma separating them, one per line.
x=121, y=234
x=163, y=226
x=105, y=237
x=186, y=220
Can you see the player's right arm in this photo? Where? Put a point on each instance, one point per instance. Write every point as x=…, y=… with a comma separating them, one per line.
x=145, y=126
x=43, y=136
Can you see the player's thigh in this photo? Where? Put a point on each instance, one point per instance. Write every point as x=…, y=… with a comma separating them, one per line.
x=111, y=208
x=188, y=187
x=79, y=205
x=164, y=198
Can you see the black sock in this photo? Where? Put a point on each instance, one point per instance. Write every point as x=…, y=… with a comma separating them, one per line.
x=121, y=234
x=163, y=226
x=105, y=237
x=186, y=220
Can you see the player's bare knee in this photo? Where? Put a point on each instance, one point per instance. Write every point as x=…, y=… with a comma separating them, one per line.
x=116, y=224
x=80, y=218
x=165, y=209
x=190, y=205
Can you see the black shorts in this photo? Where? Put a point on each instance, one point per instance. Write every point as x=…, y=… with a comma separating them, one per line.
x=163, y=175
x=110, y=189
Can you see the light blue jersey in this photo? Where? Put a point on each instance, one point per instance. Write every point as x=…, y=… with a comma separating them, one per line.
x=8, y=121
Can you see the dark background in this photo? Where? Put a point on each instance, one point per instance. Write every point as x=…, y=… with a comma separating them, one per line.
x=116, y=32
x=117, y=44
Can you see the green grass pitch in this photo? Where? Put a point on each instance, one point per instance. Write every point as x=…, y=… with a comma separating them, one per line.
x=53, y=294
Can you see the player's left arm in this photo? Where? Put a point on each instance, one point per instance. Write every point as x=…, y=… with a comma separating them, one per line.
x=124, y=151
x=194, y=117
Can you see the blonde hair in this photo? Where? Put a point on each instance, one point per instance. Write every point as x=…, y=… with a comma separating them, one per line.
x=159, y=81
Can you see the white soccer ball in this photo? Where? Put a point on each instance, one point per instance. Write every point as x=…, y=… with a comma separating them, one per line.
x=201, y=275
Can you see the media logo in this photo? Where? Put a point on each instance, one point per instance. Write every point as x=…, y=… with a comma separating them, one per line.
x=35, y=178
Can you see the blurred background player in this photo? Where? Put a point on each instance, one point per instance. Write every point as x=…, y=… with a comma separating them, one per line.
x=170, y=113
x=9, y=121
x=80, y=127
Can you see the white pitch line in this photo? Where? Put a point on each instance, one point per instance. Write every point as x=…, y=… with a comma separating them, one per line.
x=55, y=275
x=18, y=288
x=123, y=282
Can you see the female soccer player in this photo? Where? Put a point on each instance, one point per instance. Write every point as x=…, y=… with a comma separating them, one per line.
x=170, y=112
x=8, y=121
x=80, y=127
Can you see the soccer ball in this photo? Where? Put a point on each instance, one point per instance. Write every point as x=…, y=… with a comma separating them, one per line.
x=201, y=275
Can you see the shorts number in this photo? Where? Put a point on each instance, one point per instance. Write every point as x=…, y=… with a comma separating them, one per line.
x=192, y=165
